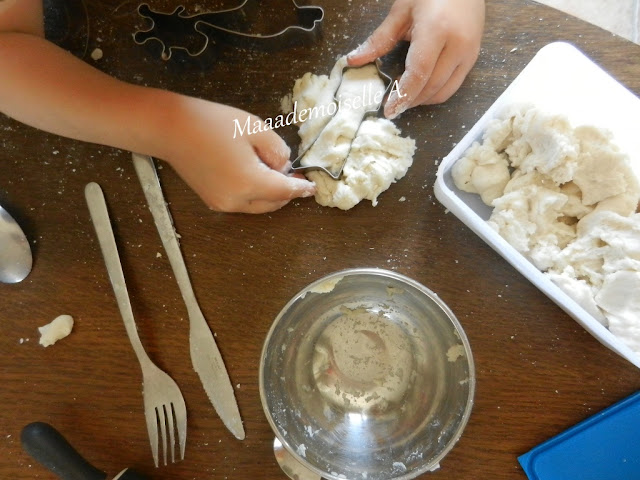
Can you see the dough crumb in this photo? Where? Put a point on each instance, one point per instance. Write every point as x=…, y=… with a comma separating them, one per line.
x=97, y=54
x=455, y=352
x=58, y=329
x=302, y=450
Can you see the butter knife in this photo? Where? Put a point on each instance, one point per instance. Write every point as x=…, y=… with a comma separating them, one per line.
x=205, y=355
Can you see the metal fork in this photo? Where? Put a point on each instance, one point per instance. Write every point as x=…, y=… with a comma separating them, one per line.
x=164, y=407
x=205, y=354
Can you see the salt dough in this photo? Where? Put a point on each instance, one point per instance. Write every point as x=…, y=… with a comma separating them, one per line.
x=566, y=198
x=58, y=329
x=360, y=90
x=378, y=155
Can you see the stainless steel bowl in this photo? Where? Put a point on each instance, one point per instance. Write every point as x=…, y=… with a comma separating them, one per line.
x=366, y=374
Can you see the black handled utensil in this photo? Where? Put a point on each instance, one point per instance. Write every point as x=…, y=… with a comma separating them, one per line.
x=46, y=445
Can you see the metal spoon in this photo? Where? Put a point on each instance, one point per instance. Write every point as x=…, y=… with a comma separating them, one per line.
x=15, y=252
x=290, y=466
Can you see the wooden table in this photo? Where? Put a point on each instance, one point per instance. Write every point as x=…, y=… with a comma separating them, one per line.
x=538, y=371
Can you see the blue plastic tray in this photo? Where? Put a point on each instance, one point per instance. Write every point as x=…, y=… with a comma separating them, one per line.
x=605, y=446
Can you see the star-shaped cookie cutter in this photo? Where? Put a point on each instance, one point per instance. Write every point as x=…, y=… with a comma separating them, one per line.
x=193, y=33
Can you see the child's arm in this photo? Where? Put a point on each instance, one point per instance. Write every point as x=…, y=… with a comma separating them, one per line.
x=50, y=89
x=445, y=41
x=22, y=16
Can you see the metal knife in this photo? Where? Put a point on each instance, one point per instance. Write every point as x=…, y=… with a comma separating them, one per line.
x=205, y=356
x=46, y=445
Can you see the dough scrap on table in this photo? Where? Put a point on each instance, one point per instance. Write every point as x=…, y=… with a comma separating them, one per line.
x=57, y=329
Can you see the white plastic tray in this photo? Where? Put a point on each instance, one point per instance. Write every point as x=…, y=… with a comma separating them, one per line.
x=562, y=80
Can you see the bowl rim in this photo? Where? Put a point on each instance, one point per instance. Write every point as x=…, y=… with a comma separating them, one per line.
x=433, y=465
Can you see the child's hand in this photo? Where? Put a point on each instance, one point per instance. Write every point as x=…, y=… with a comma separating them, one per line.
x=248, y=173
x=50, y=89
x=445, y=41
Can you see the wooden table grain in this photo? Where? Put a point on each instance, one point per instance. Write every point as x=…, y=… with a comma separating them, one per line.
x=538, y=371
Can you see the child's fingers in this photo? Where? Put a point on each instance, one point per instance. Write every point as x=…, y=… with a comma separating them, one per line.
x=265, y=190
x=272, y=150
x=419, y=65
x=450, y=86
x=392, y=29
x=448, y=89
x=276, y=188
x=445, y=68
x=263, y=206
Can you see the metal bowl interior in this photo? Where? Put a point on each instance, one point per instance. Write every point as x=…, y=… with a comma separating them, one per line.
x=367, y=374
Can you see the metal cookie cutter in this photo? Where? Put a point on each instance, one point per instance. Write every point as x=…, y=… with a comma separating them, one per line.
x=193, y=33
x=335, y=169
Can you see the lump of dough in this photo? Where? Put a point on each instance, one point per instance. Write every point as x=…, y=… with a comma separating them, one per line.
x=548, y=143
x=309, y=92
x=619, y=298
x=482, y=170
x=378, y=155
x=605, y=257
x=59, y=328
x=357, y=88
x=580, y=291
x=605, y=243
x=603, y=172
x=574, y=208
x=528, y=219
x=569, y=207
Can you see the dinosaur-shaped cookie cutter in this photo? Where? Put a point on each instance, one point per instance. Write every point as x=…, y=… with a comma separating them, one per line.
x=193, y=33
